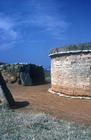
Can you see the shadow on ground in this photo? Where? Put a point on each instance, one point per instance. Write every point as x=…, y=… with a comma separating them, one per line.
x=18, y=105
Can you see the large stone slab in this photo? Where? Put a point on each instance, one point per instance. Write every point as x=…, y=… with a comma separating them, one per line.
x=5, y=94
x=2, y=97
x=25, y=79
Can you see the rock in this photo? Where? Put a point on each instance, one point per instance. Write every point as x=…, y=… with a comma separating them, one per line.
x=31, y=73
x=5, y=93
x=25, y=79
x=2, y=97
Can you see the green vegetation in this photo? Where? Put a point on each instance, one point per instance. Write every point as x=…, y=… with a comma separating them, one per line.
x=21, y=126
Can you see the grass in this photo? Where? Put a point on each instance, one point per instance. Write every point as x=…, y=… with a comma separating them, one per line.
x=21, y=126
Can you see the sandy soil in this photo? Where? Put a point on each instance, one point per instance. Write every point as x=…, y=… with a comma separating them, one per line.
x=41, y=100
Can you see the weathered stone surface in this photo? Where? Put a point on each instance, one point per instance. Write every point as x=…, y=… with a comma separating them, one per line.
x=25, y=74
x=25, y=79
x=71, y=73
x=71, y=48
x=2, y=97
x=5, y=94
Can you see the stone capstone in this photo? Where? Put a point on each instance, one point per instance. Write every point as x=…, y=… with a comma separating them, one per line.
x=75, y=48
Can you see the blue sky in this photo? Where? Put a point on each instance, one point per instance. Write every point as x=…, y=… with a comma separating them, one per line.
x=30, y=28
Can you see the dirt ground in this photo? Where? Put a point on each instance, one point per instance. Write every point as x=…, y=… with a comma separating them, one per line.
x=40, y=100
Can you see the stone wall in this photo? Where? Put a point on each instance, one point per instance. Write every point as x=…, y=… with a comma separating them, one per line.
x=71, y=73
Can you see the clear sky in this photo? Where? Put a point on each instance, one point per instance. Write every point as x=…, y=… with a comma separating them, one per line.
x=30, y=28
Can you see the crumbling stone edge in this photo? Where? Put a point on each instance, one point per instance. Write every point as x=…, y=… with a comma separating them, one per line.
x=69, y=52
x=68, y=96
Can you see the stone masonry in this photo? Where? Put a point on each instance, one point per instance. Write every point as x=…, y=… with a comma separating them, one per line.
x=71, y=72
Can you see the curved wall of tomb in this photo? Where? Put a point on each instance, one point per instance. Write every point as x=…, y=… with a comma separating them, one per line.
x=71, y=70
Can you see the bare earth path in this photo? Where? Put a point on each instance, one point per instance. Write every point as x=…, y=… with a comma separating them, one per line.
x=41, y=100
